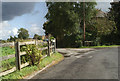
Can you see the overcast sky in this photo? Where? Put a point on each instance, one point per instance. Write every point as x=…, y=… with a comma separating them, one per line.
x=28, y=15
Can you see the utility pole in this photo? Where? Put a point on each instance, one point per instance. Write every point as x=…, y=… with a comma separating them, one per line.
x=84, y=21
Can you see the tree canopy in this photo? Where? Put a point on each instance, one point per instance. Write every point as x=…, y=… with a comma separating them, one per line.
x=65, y=20
x=23, y=33
x=114, y=15
x=36, y=36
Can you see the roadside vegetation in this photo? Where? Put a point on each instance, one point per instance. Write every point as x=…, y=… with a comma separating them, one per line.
x=103, y=46
x=10, y=63
x=56, y=57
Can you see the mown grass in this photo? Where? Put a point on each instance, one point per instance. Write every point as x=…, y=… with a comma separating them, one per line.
x=99, y=46
x=6, y=51
x=30, y=69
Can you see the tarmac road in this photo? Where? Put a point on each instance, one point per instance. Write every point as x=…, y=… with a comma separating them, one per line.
x=84, y=64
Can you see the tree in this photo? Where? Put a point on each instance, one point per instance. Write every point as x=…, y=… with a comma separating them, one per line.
x=36, y=36
x=101, y=30
x=65, y=20
x=88, y=12
x=62, y=20
x=15, y=38
x=23, y=33
x=10, y=39
x=114, y=15
x=40, y=38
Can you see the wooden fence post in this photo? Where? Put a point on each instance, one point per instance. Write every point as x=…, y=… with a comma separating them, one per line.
x=36, y=42
x=55, y=45
x=17, y=55
x=48, y=45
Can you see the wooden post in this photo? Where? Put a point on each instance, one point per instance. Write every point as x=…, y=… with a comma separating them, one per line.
x=54, y=45
x=17, y=55
x=36, y=42
x=84, y=21
x=48, y=45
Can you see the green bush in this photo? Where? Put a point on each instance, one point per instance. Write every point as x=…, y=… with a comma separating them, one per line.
x=33, y=54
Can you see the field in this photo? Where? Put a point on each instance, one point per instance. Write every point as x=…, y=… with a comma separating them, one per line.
x=9, y=63
x=7, y=51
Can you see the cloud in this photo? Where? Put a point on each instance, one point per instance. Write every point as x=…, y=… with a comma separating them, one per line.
x=12, y=9
x=36, y=12
x=35, y=29
x=6, y=31
x=14, y=31
x=4, y=24
x=0, y=11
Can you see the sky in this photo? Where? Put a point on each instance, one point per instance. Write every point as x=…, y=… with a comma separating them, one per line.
x=28, y=15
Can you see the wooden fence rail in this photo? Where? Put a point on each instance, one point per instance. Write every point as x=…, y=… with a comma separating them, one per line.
x=6, y=44
x=22, y=43
x=18, y=54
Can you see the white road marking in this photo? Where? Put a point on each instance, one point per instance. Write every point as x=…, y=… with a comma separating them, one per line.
x=90, y=56
x=88, y=52
x=79, y=56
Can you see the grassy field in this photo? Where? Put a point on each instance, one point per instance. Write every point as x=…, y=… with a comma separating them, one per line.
x=8, y=64
x=6, y=51
x=56, y=57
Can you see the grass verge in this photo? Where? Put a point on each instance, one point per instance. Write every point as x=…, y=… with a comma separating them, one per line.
x=100, y=46
x=31, y=69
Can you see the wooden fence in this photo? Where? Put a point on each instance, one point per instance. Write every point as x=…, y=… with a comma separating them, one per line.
x=51, y=47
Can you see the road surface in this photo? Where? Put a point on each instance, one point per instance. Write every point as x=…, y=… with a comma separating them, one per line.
x=84, y=64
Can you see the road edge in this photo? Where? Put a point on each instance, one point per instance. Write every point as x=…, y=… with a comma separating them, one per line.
x=39, y=71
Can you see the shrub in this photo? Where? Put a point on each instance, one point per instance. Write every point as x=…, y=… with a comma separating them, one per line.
x=33, y=54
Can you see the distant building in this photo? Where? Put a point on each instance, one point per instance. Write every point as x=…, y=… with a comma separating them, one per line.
x=116, y=0
x=43, y=37
x=100, y=14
